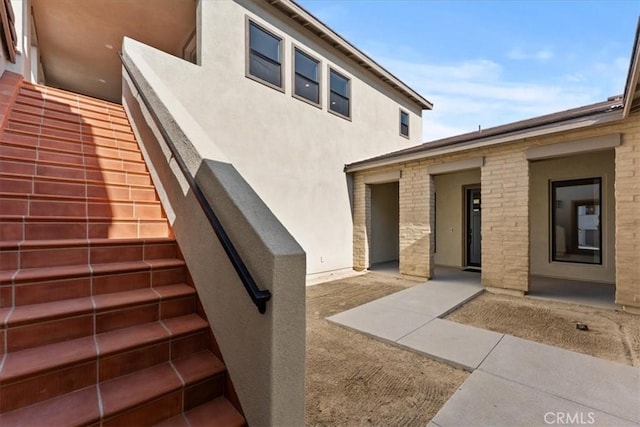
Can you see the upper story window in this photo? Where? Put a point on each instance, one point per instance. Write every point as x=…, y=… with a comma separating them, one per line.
x=265, y=56
x=339, y=94
x=306, y=77
x=404, y=123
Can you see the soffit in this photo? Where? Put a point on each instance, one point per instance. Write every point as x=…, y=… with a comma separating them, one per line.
x=74, y=38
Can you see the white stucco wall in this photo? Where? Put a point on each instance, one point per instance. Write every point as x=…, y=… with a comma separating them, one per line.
x=593, y=165
x=22, y=21
x=291, y=153
x=450, y=226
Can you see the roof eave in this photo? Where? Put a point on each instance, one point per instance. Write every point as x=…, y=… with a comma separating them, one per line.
x=306, y=19
x=631, y=90
x=537, y=131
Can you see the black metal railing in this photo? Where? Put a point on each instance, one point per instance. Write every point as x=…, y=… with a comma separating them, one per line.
x=258, y=296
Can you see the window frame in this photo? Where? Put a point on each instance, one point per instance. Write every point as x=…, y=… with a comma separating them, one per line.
x=349, y=98
x=295, y=48
x=248, y=23
x=406, y=113
x=559, y=183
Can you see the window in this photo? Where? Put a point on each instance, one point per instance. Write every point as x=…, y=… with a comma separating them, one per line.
x=339, y=88
x=576, y=234
x=306, y=77
x=265, y=56
x=404, y=123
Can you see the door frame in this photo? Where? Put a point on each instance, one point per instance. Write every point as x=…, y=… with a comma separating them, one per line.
x=466, y=225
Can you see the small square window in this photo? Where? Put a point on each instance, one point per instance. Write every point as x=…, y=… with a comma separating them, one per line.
x=404, y=123
x=576, y=221
x=306, y=80
x=265, y=56
x=339, y=94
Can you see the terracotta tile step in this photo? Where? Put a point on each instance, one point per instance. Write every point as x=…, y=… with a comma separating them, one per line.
x=115, y=356
x=33, y=325
x=74, y=116
x=38, y=123
x=52, y=102
x=69, y=145
x=161, y=384
x=51, y=253
x=20, y=201
x=27, y=205
x=218, y=412
x=81, y=172
x=66, y=96
x=69, y=131
x=69, y=187
x=139, y=274
x=78, y=408
x=48, y=228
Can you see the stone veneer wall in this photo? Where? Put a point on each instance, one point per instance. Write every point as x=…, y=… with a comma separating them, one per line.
x=505, y=216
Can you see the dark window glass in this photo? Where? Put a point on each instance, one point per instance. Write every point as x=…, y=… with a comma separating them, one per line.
x=404, y=123
x=265, y=60
x=339, y=93
x=576, y=221
x=306, y=77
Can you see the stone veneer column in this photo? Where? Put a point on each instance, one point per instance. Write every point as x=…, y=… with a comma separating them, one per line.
x=416, y=213
x=361, y=222
x=627, y=193
x=505, y=220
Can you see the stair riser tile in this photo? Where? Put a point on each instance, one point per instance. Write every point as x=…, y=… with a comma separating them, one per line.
x=158, y=251
x=62, y=208
x=125, y=318
x=22, y=337
x=120, y=210
x=55, y=290
x=47, y=142
x=177, y=307
x=108, y=254
x=16, y=186
x=19, y=138
x=121, y=282
x=7, y=166
x=9, y=260
x=136, y=179
x=24, y=127
x=154, y=230
x=118, y=230
x=28, y=392
x=59, y=188
x=6, y=298
x=18, y=152
x=107, y=177
x=59, y=133
x=204, y=391
x=70, y=127
x=147, y=211
x=190, y=344
x=14, y=207
x=3, y=333
x=66, y=159
x=50, y=171
x=131, y=361
x=143, y=194
x=168, y=276
x=53, y=257
x=54, y=230
x=11, y=231
x=149, y=414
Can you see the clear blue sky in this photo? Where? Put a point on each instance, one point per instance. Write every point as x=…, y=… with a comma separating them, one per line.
x=492, y=62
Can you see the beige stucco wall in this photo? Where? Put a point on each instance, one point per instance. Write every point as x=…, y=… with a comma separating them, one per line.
x=290, y=152
x=384, y=222
x=592, y=165
x=450, y=226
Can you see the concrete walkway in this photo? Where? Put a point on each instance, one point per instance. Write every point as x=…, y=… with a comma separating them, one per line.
x=513, y=381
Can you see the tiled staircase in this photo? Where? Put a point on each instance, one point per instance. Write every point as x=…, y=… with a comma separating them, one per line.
x=99, y=322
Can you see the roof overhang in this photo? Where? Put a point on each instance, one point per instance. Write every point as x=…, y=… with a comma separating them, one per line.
x=313, y=24
x=632, y=88
x=535, y=132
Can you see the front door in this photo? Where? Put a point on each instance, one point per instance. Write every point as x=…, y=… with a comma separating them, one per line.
x=473, y=227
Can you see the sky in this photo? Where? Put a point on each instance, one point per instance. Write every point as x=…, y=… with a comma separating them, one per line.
x=487, y=63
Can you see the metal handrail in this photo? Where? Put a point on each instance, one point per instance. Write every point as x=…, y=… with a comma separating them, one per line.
x=258, y=296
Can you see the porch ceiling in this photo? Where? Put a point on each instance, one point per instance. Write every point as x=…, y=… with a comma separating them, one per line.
x=79, y=40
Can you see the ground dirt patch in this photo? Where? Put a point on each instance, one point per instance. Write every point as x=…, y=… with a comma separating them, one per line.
x=356, y=380
x=612, y=335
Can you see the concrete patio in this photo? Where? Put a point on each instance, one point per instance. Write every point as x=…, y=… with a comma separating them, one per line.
x=513, y=381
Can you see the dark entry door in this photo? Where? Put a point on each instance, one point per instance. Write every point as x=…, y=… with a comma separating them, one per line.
x=473, y=227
